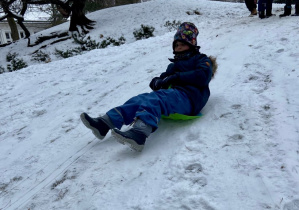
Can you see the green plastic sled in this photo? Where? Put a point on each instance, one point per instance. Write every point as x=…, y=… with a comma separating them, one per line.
x=177, y=116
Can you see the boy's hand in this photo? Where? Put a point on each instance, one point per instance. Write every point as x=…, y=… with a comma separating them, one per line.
x=156, y=83
x=167, y=81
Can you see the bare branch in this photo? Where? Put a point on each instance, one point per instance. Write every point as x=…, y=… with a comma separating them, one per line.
x=3, y=17
x=24, y=8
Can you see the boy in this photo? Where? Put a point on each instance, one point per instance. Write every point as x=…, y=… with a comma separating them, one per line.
x=188, y=76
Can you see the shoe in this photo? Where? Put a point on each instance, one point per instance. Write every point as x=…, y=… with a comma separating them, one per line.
x=262, y=14
x=270, y=15
x=287, y=11
x=134, y=137
x=131, y=138
x=99, y=126
x=253, y=12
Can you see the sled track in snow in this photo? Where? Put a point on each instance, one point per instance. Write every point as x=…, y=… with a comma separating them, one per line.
x=47, y=178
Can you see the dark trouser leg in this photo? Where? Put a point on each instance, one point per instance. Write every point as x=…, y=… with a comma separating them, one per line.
x=250, y=5
x=287, y=9
x=269, y=8
x=297, y=8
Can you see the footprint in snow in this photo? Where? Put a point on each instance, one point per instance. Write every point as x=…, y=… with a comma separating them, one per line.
x=194, y=168
x=236, y=106
x=293, y=205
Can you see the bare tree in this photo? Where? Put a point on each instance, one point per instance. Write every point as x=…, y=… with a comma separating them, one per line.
x=73, y=8
x=13, y=28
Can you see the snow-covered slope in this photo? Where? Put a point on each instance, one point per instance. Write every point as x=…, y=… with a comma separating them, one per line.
x=242, y=154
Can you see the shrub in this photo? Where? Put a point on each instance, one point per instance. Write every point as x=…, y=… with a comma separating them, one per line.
x=194, y=12
x=172, y=25
x=40, y=56
x=109, y=41
x=14, y=63
x=2, y=70
x=144, y=32
x=68, y=53
x=87, y=44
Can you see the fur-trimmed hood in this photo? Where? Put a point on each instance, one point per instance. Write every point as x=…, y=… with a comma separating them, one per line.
x=214, y=64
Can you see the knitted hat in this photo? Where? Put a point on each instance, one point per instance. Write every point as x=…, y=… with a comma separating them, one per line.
x=187, y=33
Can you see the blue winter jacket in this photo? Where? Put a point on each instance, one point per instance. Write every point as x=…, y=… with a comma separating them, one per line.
x=194, y=75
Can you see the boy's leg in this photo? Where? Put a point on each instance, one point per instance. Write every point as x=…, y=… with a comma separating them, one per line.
x=99, y=126
x=150, y=108
x=126, y=113
x=163, y=102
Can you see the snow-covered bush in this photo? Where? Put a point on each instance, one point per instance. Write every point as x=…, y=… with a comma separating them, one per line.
x=193, y=12
x=68, y=53
x=144, y=32
x=41, y=56
x=111, y=41
x=2, y=70
x=14, y=63
x=87, y=44
x=171, y=26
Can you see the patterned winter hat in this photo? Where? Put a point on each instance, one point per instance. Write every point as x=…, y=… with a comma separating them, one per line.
x=187, y=32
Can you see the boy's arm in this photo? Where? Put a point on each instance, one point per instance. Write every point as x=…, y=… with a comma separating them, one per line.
x=199, y=77
x=169, y=71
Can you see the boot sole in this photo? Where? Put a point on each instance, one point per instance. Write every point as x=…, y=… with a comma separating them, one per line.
x=93, y=129
x=126, y=141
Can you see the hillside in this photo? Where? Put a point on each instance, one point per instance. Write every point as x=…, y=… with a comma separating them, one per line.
x=242, y=154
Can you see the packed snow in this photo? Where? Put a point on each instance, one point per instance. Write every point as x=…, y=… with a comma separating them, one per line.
x=243, y=154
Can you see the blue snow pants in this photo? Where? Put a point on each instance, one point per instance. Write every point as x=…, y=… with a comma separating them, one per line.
x=149, y=107
x=265, y=5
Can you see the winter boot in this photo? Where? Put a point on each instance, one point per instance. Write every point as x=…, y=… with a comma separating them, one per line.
x=99, y=126
x=134, y=137
x=253, y=12
x=269, y=13
x=296, y=10
x=287, y=11
x=262, y=14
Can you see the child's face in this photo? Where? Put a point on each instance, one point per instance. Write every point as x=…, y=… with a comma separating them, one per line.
x=180, y=46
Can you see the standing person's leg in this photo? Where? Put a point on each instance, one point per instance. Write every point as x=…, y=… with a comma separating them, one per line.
x=269, y=8
x=251, y=6
x=262, y=8
x=296, y=8
x=287, y=9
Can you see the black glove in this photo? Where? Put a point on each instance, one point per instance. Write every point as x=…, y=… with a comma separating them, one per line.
x=167, y=81
x=156, y=83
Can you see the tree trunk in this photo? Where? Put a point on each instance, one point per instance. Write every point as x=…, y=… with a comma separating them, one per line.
x=14, y=29
x=78, y=17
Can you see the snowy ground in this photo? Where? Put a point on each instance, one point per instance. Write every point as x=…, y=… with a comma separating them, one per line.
x=243, y=154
